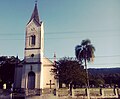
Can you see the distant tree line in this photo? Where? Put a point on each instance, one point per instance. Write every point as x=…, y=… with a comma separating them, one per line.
x=107, y=77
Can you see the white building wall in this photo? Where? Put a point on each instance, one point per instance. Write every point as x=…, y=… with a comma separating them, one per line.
x=48, y=76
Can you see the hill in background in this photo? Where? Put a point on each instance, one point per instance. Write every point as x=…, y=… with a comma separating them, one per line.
x=105, y=71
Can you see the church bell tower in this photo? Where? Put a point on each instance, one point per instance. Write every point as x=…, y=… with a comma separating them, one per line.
x=32, y=74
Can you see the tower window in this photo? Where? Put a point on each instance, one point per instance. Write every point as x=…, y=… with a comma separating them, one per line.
x=32, y=39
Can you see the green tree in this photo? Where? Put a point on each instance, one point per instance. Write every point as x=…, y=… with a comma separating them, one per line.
x=7, y=69
x=96, y=81
x=85, y=53
x=69, y=70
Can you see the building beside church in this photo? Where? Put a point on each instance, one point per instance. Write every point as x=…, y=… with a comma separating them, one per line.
x=36, y=69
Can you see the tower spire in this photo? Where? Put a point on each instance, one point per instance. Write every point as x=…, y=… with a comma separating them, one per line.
x=54, y=58
x=35, y=15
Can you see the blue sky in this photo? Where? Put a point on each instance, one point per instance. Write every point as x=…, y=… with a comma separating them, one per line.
x=66, y=24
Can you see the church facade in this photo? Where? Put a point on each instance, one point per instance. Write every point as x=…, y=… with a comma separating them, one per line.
x=36, y=69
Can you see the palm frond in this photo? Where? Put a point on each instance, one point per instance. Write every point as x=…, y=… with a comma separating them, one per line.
x=85, y=51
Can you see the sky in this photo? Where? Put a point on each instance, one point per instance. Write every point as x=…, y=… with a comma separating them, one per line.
x=66, y=24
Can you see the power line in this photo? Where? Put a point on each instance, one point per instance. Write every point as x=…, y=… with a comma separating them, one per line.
x=75, y=57
x=107, y=56
x=105, y=64
x=65, y=32
x=52, y=38
x=93, y=64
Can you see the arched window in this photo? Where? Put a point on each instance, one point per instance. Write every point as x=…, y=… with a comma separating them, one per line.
x=32, y=40
x=31, y=80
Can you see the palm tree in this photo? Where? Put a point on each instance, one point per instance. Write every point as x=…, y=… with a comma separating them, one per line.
x=85, y=53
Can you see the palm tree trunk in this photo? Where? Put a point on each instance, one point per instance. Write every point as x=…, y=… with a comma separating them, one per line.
x=87, y=76
x=87, y=80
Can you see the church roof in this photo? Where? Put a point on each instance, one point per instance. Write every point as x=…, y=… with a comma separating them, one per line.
x=35, y=15
x=47, y=62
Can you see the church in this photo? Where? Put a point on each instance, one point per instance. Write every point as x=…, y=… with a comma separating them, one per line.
x=35, y=70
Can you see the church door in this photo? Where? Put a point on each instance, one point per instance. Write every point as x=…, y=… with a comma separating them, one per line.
x=31, y=80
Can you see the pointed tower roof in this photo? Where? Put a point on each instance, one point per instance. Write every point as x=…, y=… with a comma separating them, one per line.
x=35, y=15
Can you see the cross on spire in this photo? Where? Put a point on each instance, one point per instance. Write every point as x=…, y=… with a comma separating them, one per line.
x=35, y=15
x=36, y=1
